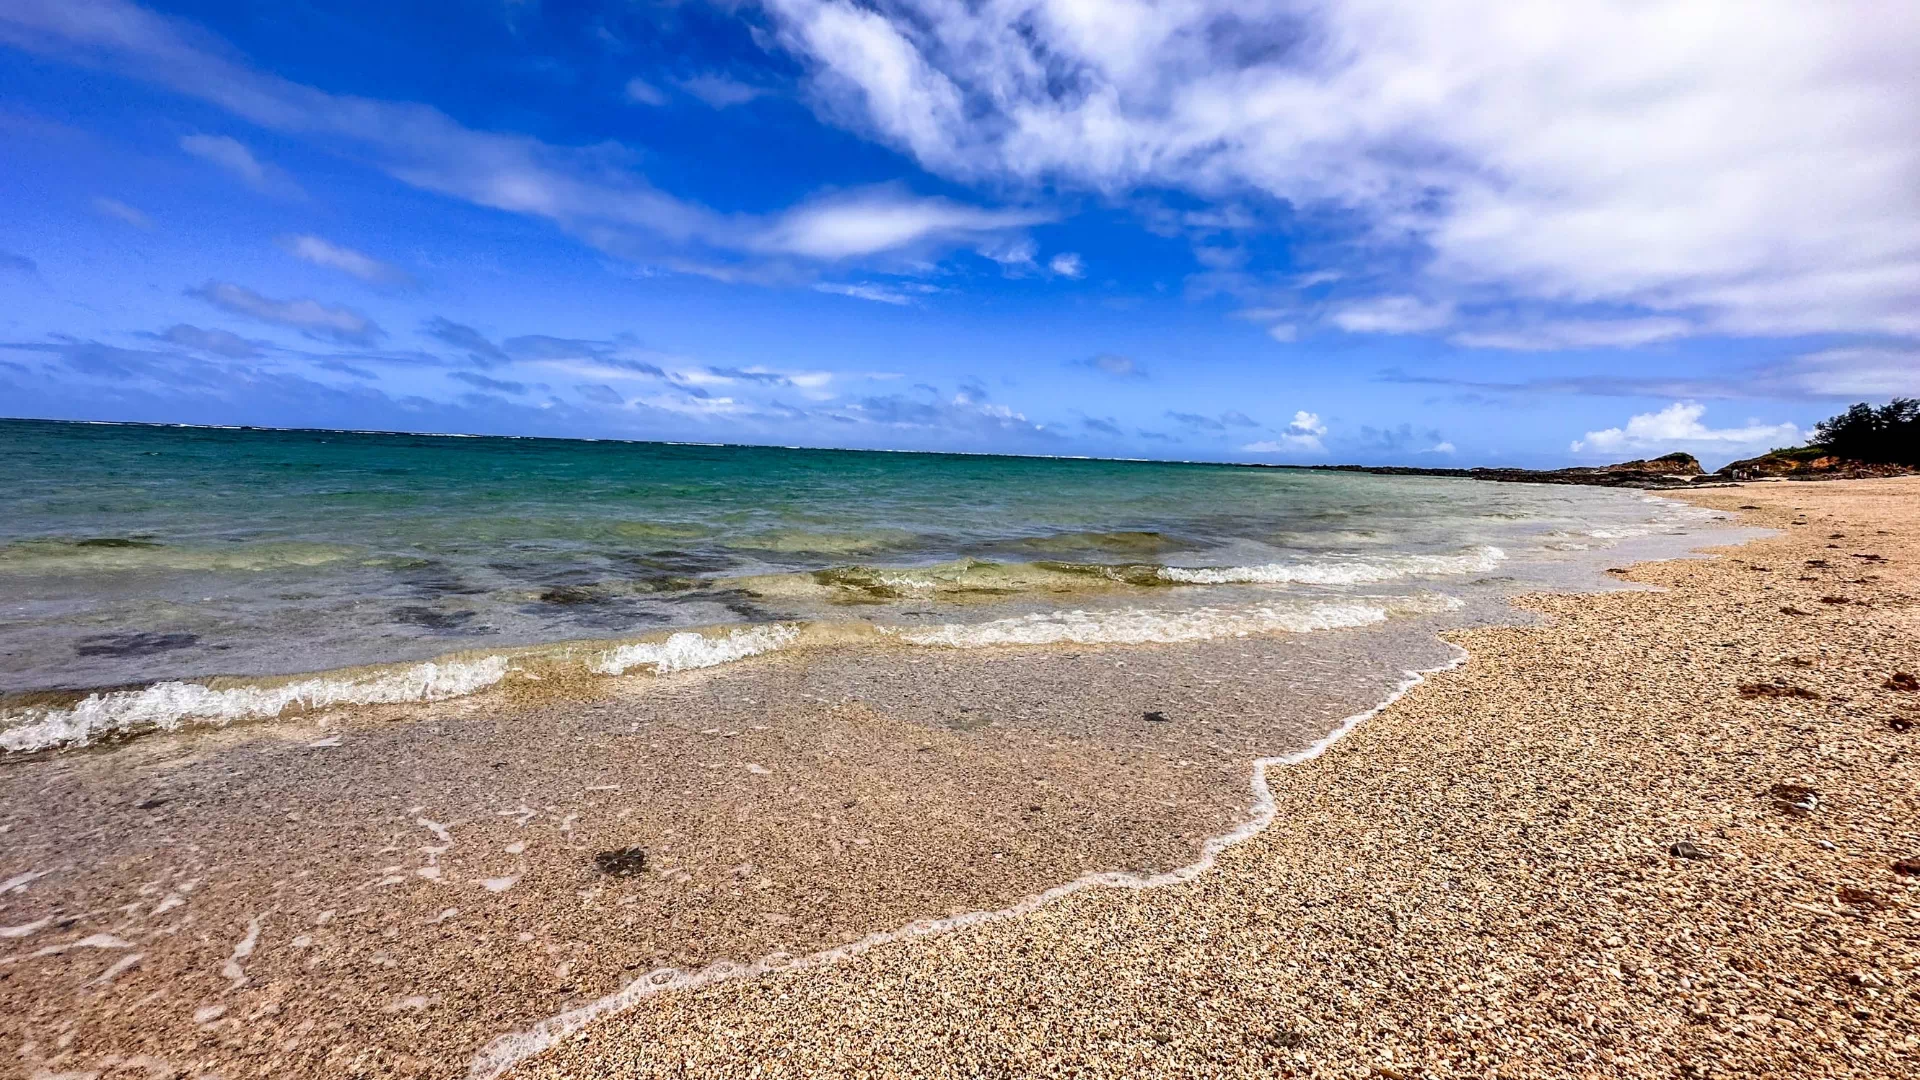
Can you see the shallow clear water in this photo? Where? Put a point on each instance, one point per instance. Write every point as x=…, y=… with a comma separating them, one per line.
x=131, y=554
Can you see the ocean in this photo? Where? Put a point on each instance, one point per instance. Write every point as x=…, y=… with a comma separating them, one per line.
x=153, y=577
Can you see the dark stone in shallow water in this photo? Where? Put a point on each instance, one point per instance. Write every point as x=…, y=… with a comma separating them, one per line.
x=621, y=862
x=114, y=542
x=435, y=580
x=681, y=563
x=568, y=594
x=136, y=644
x=431, y=618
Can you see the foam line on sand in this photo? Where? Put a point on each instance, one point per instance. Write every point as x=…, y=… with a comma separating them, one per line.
x=508, y=1050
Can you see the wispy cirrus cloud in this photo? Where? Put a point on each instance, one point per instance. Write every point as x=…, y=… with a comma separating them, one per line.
x=1842, y=373
x=883, y=218
x=596, y=193
x=120, y=211
x=1391, y=315
x=325, y=253
x=721, y=91
x=218, y=342
x=483, y=382
x=311, y=317
x=1549, y=336
x=480, y=352
x=1112, y=365
x=879, y=294
x=1196, y=421
x=232, y=155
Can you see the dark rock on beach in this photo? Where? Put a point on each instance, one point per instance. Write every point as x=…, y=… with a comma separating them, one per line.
x=1775, y=690
x=621, y=862
x=1795, y=797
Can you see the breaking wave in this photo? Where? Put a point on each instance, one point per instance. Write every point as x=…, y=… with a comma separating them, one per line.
x=1341, y=570
x=688, y=650
x=169, y=706
x=1137, y=626
x=111, y=715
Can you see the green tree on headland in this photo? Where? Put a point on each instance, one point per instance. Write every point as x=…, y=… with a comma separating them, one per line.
x=1887, y=435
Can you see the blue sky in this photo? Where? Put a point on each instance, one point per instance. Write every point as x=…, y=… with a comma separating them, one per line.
x=1456, y=233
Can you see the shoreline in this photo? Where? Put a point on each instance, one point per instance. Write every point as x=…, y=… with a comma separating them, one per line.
x=505, y=1052
x=788, y=804
x=882, y=943
x=788, y=1021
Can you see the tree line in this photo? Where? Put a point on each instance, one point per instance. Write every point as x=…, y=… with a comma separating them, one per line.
x=1889, y=434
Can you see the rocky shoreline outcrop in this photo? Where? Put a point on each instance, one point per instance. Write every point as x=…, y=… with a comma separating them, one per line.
x=1668, y=471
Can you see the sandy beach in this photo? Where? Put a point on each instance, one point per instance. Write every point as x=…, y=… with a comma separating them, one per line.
x=1483, y=877
x=1661, y=836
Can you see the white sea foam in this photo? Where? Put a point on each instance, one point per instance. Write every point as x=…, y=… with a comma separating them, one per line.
x=169, y=706
x=1143, y=626
x=1341, y=570
x=687, y=650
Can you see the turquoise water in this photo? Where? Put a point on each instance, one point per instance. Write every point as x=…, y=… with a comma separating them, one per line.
x=130, y=554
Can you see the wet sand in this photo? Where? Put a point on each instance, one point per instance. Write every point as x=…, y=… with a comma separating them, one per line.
x=1667, y=834
x=382, y=891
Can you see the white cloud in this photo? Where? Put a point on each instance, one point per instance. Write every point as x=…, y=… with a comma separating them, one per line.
x=881, y=219
x=1120, y=367
x=219, y=342
x=1283, y=332
x=114, y=208
x=721, y=92
x=879, y=294
x=1678, y=427
x=1442, y=447
x=341, y=324
x=587, y=190
x=1067, y=264
x=232, y=155
x=1301, y=436
x=321, y=252
x=1576, y=334
x=1391, y=315
x=1745, y=165
x=642, y=92
x=1015, y=254
x=593, y=192
x=1857, y=372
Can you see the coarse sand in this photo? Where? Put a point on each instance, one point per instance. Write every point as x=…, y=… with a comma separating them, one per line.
x=1669, y=833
